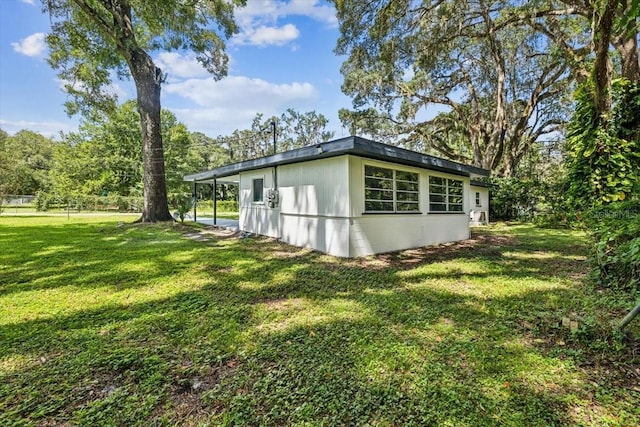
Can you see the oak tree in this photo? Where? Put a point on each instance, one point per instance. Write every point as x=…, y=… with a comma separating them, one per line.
x=93, y=40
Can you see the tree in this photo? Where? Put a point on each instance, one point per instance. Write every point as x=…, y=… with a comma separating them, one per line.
x=293, y=130
x=92, y=38
x=25, y=160
x=498, y=85
x=104, y=157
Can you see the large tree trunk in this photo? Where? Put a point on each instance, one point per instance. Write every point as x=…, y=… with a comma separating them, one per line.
x=148, y=79
x=603, y=30
x=627, y=47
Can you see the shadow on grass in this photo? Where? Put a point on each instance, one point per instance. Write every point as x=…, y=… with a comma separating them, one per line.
x=274, y=335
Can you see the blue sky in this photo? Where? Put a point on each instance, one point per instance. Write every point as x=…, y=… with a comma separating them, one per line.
x=282, y=58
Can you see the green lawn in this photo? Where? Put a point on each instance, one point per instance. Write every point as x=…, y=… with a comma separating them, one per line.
x=110, y=323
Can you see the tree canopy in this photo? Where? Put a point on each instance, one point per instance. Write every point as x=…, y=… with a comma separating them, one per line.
x=499, y=74
x=25, y=161
x=93, y=40
x=104, y=156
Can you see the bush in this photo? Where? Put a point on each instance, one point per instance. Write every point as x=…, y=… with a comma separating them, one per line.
x=615, y=230
x=182, y=203
x=221, y=205
x=43, y=201
x=513, y=199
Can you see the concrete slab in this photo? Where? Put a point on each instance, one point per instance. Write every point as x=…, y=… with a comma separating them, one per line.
x=230, y=224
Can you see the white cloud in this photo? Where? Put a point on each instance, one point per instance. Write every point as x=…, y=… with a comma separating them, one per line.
x=240, y=91
x=258, y=21
x=180, y=66
x=48, y=129
x=232, y=102
x=33, y=45
x=264, y=36
x=272, y=10
x=31, y=2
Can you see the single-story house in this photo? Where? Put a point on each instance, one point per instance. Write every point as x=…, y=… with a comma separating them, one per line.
x=353, y=197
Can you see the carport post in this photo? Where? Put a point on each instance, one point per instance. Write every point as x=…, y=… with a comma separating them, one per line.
x=195, y=202
x=215, y=201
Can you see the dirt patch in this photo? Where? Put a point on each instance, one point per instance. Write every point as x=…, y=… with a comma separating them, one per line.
x=486, y=245
x=186, y=402
x=211, y=233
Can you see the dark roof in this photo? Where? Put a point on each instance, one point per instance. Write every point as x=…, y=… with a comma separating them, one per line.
x=351, y=145
x=480, y=184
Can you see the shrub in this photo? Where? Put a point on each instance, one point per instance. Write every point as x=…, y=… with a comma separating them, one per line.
x=615, y=231
x=182, y=203
x=43, y=201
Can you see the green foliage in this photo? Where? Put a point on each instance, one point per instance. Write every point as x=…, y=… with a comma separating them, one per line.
x=182, y=203
x=496, y=80
x=293, y=130
x=90, y=39
x=25, y=161
x=615, y=234
x=604, y=156
x=79, y=202
x=513, y=199
x=105, y=156
x=530, y=199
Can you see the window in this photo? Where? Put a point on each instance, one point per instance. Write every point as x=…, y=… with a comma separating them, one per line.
x=388, y=190
x=445, y=195
x=258, y=189
x=478, y=199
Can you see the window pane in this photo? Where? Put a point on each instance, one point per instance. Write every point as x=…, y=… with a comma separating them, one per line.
x=378, y=194
x=437, y=207
x=455, y=208
x=456, y=200
x=437, y=181
x=407, y=176
x=406, y=196
x=455, y=191
x=376, y=206
x=387, y=184
x=406, y=186
x=405, y=207
x=455, y=183
x=258, y=188
x=436, y=198
x=378, y=172
x=437, y=189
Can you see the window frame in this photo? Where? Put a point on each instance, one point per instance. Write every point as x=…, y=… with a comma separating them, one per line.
x=253, y=191
x=394, y=178
x=451, y=189
x=478, y=204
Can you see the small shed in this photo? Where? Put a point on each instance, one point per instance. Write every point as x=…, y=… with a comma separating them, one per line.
x=352, y=197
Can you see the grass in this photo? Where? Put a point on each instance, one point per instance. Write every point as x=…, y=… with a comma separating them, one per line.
x=109, y=323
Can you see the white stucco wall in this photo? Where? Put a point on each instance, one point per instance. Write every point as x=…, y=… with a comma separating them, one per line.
x=314, y=205
x=484, y=202
x=257, y=217
x=321, y=206
x=375, y=233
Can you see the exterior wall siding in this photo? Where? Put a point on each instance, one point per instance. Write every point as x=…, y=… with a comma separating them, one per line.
x=321, y=206
x=257, y=217
x=376, y=233
x=484, y=202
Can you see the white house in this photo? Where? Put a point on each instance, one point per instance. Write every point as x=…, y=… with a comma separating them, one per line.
x=353, y=197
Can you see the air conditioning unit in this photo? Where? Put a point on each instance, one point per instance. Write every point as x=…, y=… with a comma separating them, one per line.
x=478, y=217
x=272, y=197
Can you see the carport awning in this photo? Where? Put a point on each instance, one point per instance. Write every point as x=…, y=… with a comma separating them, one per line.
x=232, y=179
